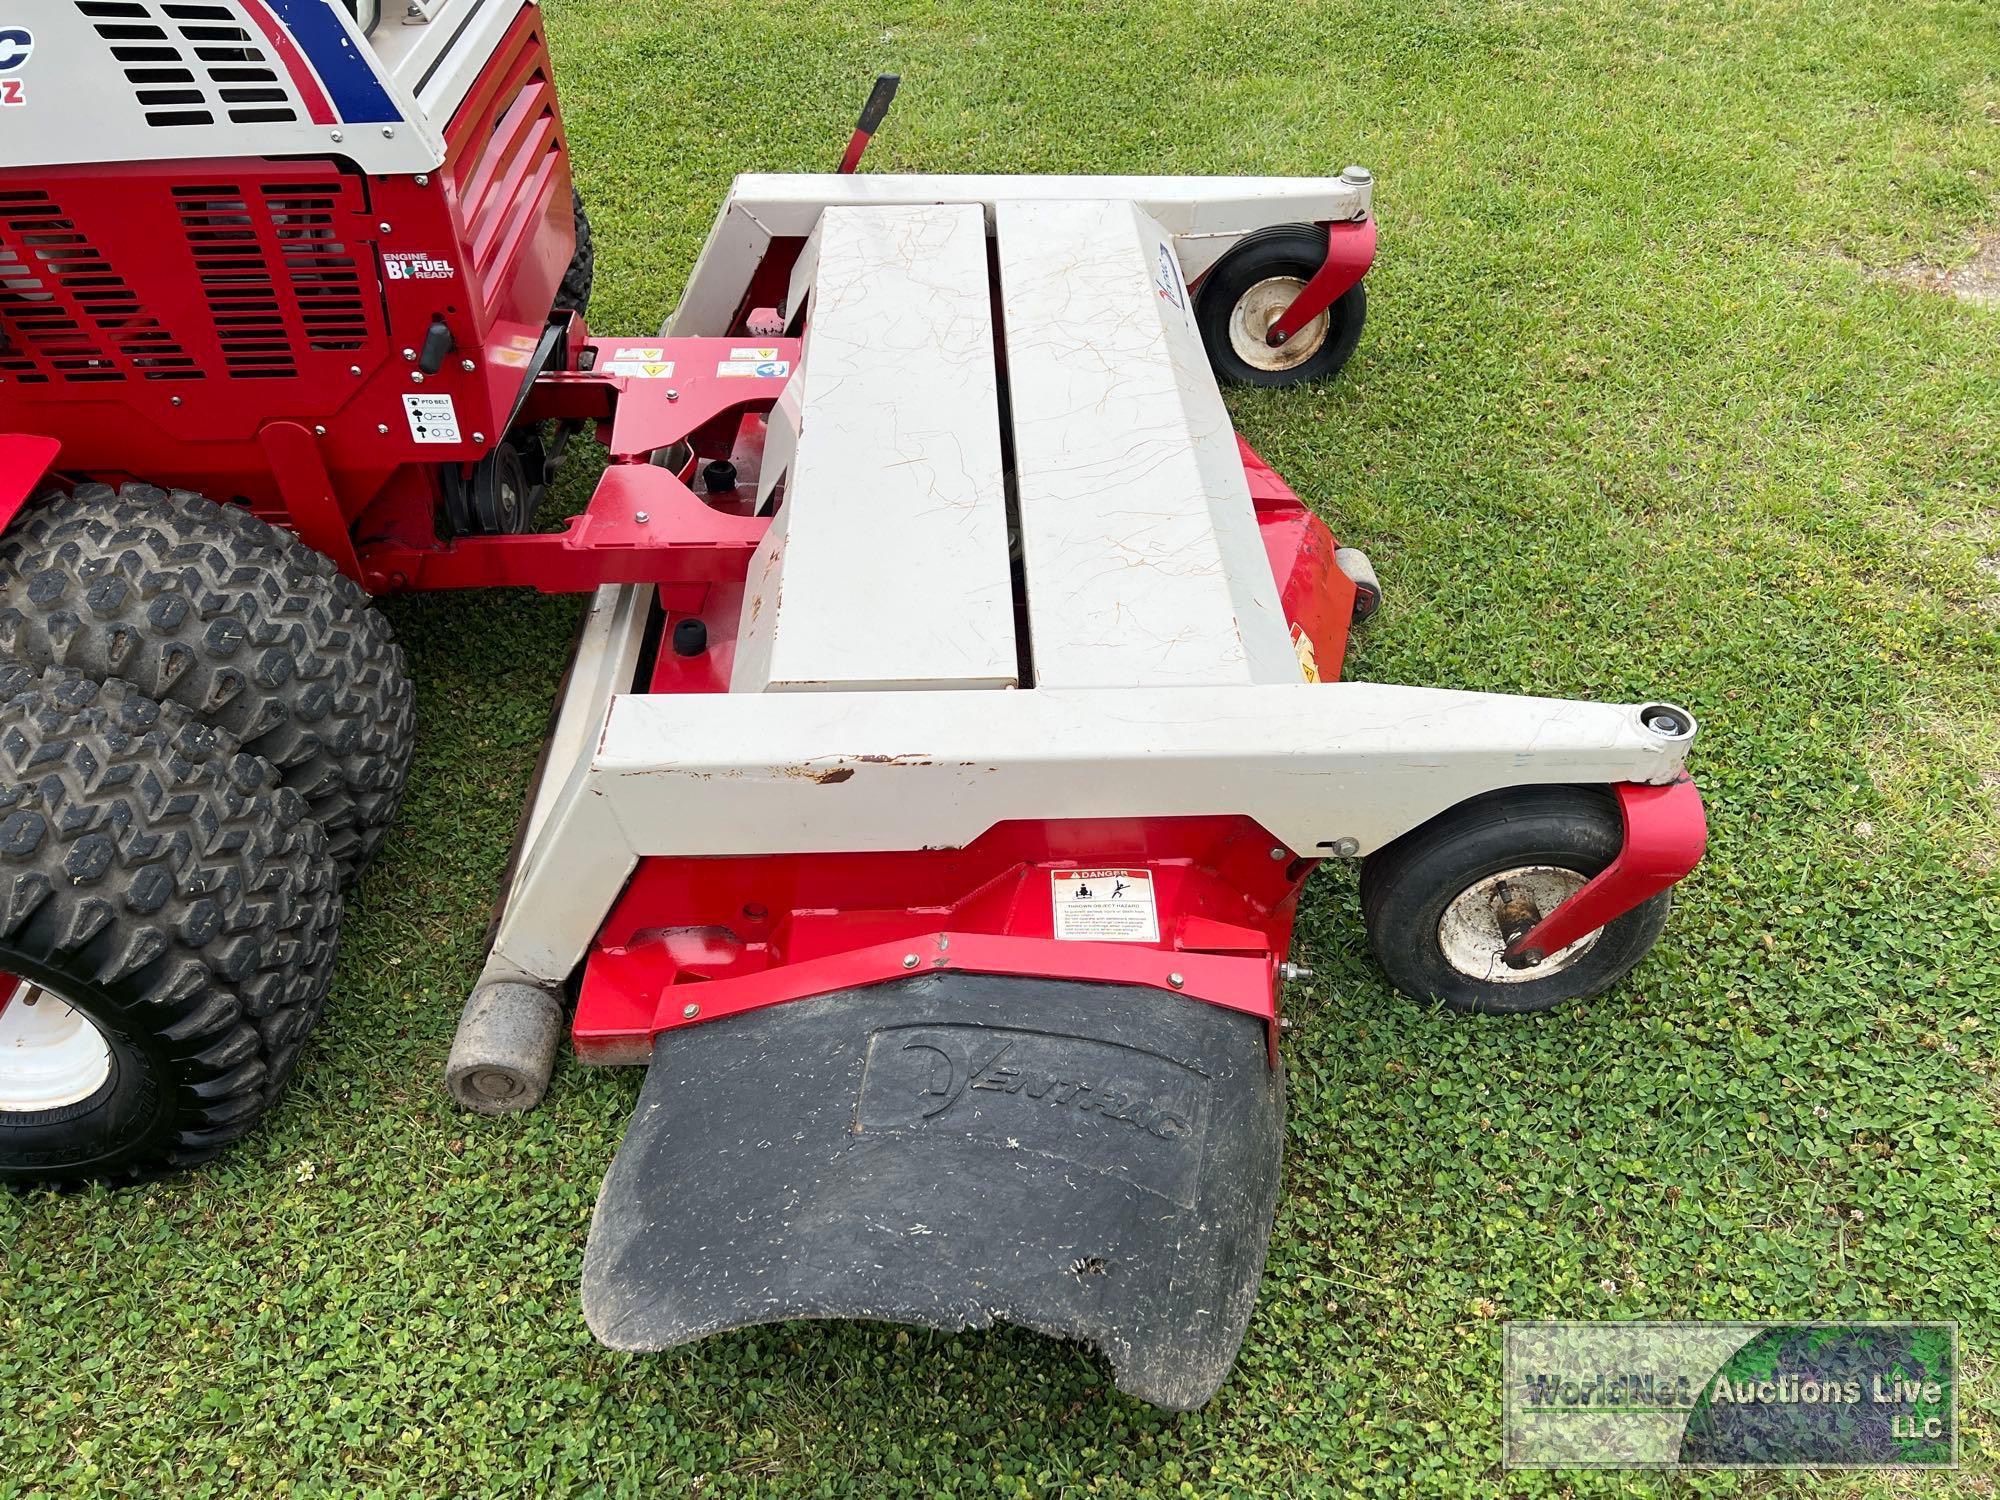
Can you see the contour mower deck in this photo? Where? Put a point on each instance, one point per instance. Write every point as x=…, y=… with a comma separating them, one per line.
x=955, y=721
x=951, y=858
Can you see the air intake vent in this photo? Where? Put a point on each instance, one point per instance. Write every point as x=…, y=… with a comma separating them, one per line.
x=266, y=256
x=64, y=311
x=193, y=64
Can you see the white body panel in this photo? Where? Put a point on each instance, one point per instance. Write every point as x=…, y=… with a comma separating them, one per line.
x=1205, y=215
x=390, y=95
x=886, y=566
x=771, y=773
x=1140, y=543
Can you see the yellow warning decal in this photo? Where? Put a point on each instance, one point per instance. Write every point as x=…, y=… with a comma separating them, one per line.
x=1302, y=646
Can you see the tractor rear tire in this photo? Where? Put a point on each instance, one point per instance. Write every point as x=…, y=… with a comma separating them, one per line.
x=240, y=623
x=171, y=908
x=574, y=294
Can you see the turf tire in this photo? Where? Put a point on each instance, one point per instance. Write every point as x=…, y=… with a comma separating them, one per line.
x=175, y=893
x=574, y=293
x=240, y=623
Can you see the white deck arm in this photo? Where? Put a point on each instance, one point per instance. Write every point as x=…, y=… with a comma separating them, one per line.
x=1333, y=768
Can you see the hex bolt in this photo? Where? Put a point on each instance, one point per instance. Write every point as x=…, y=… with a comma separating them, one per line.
x=672, y=394
x=1346, y=848
x=909, y=960
x=639, y=516
x=1176, y=980
x=1284, y=1023
x=1291, y=973
x=1277, y=854
x=689, y=1012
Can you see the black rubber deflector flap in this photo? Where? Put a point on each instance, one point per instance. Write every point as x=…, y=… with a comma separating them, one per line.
x=1098, y=1162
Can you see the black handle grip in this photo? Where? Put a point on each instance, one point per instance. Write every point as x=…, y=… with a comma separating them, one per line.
x=879, y=99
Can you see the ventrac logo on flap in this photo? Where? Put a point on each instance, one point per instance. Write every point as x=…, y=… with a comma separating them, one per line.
x=1106, y=1106
x=17, y=45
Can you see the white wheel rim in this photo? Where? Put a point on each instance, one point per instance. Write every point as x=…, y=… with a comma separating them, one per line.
x=1469, y=931
x=51, y=1054
x=1257, y=309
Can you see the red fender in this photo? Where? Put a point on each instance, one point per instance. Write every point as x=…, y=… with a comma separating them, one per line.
x=1666, y=833
x=1350, y=251
x=25, y=462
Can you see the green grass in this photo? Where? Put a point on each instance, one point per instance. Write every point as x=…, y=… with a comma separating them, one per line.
x=1641, y=410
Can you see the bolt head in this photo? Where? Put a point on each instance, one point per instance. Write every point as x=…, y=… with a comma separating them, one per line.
x=176, y=400
x=383, y=227
x=319, y=432
x=689, y=1012
x=416, y=377
x=467, y=365
x=354, y=369
x=910, y=960
x=1346, y=848
x=423, y=179
x=1176, y=980
x=1357, y=176
x=410, y=355
x=479, y=437
x=338, y=137
x=1277, y=853
x=383, y=428
x=639, y=516
x=388, y=132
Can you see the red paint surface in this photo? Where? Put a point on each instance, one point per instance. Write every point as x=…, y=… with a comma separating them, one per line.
x=1350, y=251
x=727, y=935
x=1666, y=833
x=25, y=461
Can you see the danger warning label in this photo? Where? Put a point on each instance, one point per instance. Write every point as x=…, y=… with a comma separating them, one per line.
x=1105, y=906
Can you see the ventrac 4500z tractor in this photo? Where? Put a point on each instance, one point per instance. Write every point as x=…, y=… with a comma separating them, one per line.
x=954, y=722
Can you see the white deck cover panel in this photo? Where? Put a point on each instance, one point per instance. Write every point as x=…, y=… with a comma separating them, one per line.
x=1144, y=564
x=886, y=566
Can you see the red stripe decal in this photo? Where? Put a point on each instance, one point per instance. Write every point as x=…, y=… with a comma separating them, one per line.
x=303, y=77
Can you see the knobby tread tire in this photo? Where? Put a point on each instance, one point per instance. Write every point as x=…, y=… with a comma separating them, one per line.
x=241, y=623
x=574, y=293
x=170, y=888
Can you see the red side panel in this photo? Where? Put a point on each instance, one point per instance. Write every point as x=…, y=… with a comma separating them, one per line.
x=24, y=463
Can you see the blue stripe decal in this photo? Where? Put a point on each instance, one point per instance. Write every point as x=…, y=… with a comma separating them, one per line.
x=357, y=94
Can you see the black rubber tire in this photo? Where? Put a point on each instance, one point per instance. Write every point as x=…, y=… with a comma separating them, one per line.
x=1406, y=886
x=1294, y=250
x=574, y=293
x=178, y=896
x=242, y=624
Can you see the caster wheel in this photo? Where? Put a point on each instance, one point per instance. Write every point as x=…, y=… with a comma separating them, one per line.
x=1249, y=290
x=1443, y=902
